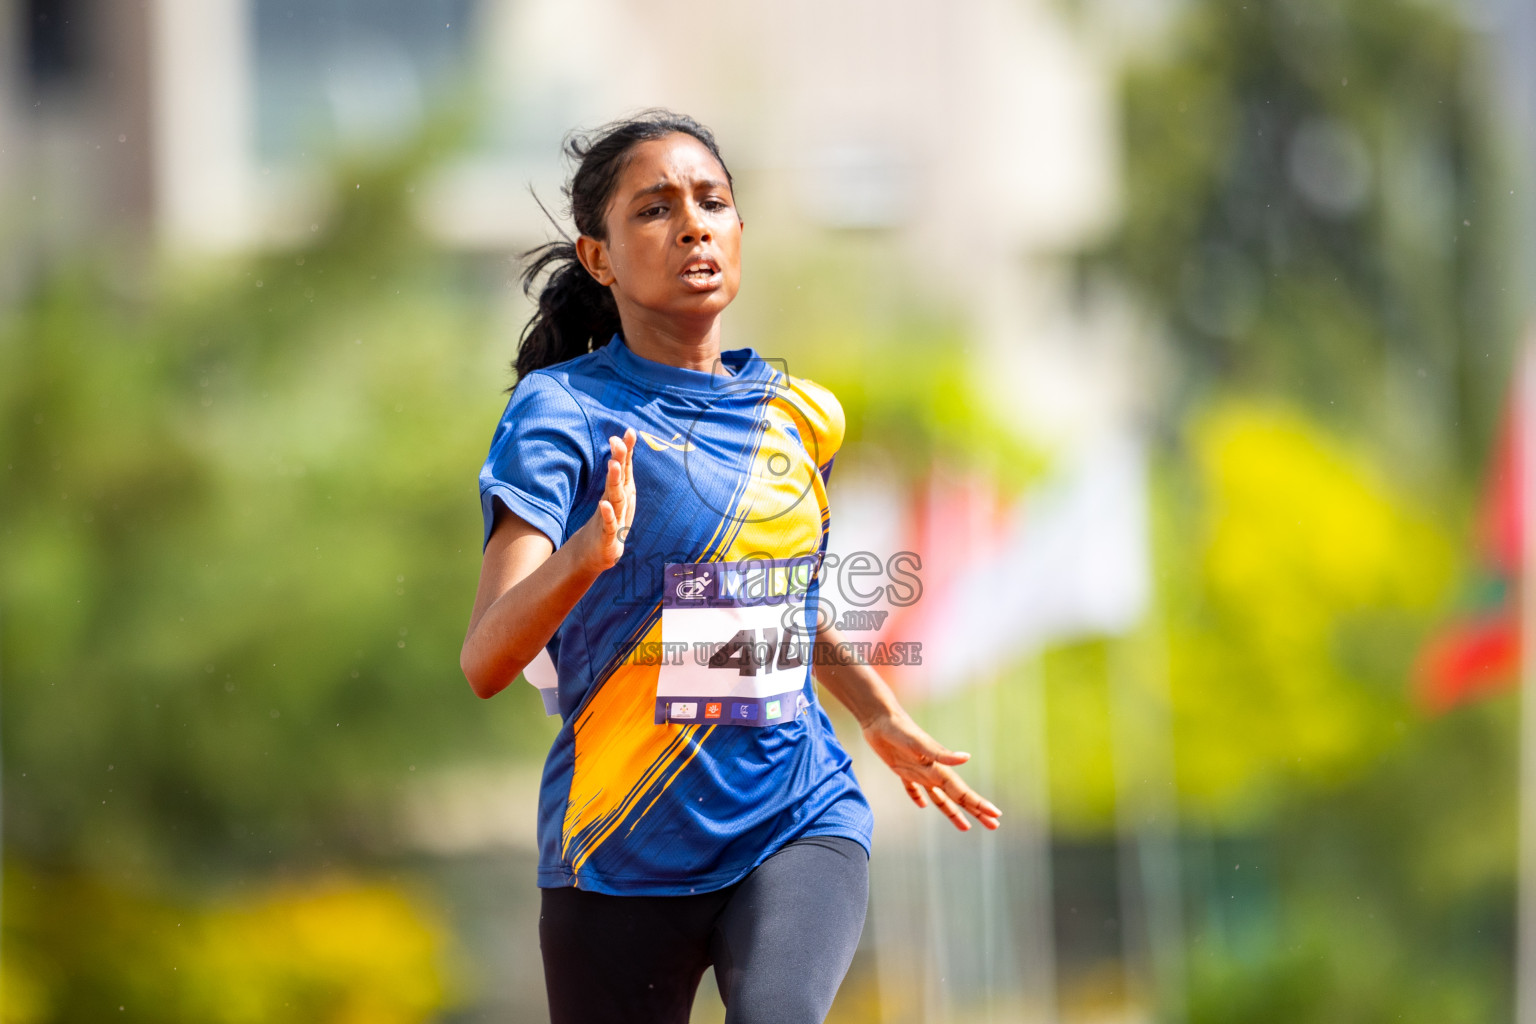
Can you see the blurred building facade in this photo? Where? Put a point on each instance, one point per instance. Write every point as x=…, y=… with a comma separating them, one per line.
x=979, y=137
x=858, y=121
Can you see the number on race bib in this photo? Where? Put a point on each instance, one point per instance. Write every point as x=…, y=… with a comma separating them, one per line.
x=739, y=652
x=747, y=655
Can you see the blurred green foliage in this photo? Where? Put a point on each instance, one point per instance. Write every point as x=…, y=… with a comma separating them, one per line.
x=1314, y=204
x=1296, y=583
x=1394, y=892
x=847, y=311
x=237, y=547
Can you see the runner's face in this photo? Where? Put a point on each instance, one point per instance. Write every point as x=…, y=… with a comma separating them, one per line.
x=674, y=239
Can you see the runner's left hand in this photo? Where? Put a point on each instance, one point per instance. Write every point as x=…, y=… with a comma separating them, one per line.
x=926, y=769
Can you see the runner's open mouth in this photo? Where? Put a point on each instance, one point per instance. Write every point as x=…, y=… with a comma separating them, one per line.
x=700, y=269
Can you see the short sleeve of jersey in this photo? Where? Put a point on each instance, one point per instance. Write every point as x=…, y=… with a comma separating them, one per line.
x=538, y=460
x=820, y=411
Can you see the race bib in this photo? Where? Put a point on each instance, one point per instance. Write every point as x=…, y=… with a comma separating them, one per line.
x=741, y=637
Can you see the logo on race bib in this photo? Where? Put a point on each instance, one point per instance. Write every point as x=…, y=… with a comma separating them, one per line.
x=711, y=710
x=682, y=709
x=771, y=709
x=693, y=589
x=746, y=711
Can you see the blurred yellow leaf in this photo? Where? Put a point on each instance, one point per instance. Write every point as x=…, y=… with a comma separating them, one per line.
x=1300, y=543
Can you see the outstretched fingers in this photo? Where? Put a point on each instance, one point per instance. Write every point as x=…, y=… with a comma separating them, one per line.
x=958, y=793
x=950, y=793
x=948, y=790
x=942, y=801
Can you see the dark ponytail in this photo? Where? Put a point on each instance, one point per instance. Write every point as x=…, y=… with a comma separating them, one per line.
x=576, y=314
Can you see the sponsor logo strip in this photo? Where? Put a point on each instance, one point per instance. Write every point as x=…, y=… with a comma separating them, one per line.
x=757, y=711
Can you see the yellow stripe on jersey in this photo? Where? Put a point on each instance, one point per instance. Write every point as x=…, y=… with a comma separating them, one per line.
x=783, y=511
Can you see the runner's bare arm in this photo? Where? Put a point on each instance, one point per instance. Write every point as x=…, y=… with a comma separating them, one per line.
x=527, y=587
x=924, y=765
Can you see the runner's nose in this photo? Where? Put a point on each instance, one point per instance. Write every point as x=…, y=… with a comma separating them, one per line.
x=693, y=228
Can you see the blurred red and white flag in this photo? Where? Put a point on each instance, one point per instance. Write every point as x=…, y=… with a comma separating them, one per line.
x=999, y=578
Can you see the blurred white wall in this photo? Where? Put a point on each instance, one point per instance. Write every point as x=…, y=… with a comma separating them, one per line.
x=981, y=123
x=202, y=103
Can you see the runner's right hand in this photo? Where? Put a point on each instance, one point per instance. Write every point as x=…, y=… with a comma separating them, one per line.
x=602, y=537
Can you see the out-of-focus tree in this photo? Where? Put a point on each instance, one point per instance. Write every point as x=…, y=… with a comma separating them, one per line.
x=1392, y=891
x=237, y=547
x=1313, y=205
x=1315, y=214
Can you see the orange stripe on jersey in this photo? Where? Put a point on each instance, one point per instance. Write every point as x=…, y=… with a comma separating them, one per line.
x=620, y=753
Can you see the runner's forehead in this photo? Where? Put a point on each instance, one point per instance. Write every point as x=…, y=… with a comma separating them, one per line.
x=673, y=163
x=666, y=186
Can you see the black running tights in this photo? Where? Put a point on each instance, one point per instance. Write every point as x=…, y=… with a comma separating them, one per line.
x=780, y=941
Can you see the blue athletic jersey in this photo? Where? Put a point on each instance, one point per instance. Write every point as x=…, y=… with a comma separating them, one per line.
x=644, y=794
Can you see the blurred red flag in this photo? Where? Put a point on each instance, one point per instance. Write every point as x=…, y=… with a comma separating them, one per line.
x=1479, y=654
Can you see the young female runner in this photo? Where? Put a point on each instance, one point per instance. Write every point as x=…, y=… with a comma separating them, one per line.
x=655, y=514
